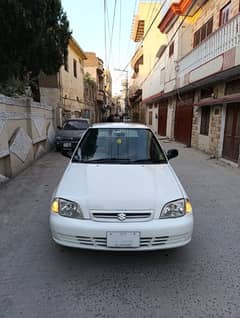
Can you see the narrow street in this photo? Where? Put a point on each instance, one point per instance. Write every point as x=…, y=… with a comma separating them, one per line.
x=40, y=279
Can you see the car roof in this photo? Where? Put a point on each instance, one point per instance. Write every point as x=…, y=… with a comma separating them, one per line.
x=76, y=119
x=119, y=125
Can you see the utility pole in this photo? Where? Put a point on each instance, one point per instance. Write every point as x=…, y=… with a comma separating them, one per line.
x=126, y=90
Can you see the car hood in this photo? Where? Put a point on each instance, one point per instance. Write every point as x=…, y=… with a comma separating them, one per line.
x=119, y=187
x=69, y=133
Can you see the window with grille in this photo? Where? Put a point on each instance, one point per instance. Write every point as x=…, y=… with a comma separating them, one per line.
x=202, y=33
x=205, y=118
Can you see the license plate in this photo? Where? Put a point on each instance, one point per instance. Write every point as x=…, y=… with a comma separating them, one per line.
x=67, y=145
x=123, y=239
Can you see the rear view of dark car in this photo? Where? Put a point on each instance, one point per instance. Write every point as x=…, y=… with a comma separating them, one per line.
x=69, y=135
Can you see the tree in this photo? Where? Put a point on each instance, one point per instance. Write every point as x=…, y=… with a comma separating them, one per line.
x=34, y=37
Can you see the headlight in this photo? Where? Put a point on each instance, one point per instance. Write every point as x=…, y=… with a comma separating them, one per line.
x=66, y=208
x=176, y=209
x=58, y=138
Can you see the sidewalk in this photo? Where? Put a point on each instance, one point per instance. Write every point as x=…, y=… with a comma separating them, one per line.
x=168, y=144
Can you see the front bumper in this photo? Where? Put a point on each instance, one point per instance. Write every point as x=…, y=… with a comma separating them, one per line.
x=154, y=235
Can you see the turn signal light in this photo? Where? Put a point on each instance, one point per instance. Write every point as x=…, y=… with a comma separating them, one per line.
x=188, y=206
x=55, y=206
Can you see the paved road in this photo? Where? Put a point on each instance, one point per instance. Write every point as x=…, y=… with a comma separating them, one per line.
x=38, y=279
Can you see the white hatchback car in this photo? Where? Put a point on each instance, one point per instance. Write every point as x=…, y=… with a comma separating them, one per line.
x=120, y=193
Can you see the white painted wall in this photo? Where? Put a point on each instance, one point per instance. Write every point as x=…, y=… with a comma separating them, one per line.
x=155, y=119
x=171, y=117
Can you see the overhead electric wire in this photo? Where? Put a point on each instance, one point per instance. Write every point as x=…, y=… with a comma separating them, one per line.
x=108, y=26
x=113, y=23
x=129, y=41
x=134, y=10
x=120, y=30
x=148, y=12
x=154, y=9
x=149, y=28
x=105, y=29
x=172, y=38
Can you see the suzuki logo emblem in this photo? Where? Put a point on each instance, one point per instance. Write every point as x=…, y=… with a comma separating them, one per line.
x=122, y=216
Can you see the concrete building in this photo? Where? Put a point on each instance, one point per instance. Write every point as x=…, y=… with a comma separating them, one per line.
x=93, y=65
x=66, y=88
x=90, y=94
x=193, y=92
x=108, y=92
x=146, y=34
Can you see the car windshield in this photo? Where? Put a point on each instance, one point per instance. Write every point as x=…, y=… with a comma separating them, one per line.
x=75, y=125
x=125, y=146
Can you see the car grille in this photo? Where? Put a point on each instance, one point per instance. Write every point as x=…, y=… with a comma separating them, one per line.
x=121, y=216
x=145, y=242
x=102, y=241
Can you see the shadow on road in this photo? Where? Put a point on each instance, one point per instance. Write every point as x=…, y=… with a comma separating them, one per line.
x=78, y=256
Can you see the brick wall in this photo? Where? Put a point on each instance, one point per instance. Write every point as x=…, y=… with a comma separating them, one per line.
x=91, y=59
x=212, y=8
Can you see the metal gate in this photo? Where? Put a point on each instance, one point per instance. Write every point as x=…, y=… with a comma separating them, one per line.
x=231, y=141
x=183, y=119
x=162, y=117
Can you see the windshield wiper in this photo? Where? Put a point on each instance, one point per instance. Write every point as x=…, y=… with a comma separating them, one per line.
x=107, y=160
x=148, y=161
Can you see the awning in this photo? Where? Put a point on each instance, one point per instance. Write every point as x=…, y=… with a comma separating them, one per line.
x=222, y=100
x=153, y=98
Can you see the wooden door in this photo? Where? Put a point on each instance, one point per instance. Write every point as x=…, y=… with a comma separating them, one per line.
x=183, y=124
x=162, y=118
x=231, y=141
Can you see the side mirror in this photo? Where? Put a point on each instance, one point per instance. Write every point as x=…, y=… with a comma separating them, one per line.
x=172, y=153
x=67, y=154
x=58, y=127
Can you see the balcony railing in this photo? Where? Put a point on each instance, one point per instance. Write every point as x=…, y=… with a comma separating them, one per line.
x=222, y=40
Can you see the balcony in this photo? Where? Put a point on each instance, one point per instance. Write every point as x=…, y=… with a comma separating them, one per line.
x=137, y=55
x=100, y=96
x=219, y=52
x=100, y=68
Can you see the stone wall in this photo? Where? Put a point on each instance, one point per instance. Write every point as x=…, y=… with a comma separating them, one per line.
x=211, y=143
x=215, y=129
x=195, y=127
x=27, y=130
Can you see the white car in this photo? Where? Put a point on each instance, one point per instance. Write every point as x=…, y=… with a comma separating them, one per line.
x=120, y=193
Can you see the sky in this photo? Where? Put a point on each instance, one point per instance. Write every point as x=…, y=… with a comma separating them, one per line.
x=86, y=19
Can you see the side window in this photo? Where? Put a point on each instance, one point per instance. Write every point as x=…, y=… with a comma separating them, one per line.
x=150, y=118
x=171, y=49
x=224, y=14
x=75, y=68
x=203, y=32
x=66, y=64
x=205, y=118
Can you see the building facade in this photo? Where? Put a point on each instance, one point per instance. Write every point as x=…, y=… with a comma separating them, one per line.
x=192, y=94
x=90, y=95
x=66, y=88
x=93, y=65
x=148, y=38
